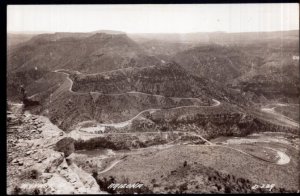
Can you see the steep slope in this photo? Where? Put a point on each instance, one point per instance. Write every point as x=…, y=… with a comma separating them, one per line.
x=169, y=80
x=14, y=39
x=111, y=100
x=220, y=63
x=39, y=84
x=264, y=65
x=277, y=77
x=34, y=167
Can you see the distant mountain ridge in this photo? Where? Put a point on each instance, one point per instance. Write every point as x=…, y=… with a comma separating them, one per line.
x=263, y=64
x=88, y=53
x=230, y=59
x=95, y=53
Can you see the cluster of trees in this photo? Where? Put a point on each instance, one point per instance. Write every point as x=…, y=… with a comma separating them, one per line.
x=35, y=191
x=227, y=124
x=117, y=143
x=94, y=143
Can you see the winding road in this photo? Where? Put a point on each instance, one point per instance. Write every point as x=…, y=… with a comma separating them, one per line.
x=130, y=92
x=114, y=163
x=127, y=122
x=283, y=158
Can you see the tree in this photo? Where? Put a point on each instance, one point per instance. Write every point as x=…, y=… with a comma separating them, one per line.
x=184, y=164
x=16, y=190
x=34, y=174
x=95, y=174
x=182, y=188
x=227, y=189
x=36, y=191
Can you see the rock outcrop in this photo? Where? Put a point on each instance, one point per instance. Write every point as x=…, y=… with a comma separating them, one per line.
x=34, y=167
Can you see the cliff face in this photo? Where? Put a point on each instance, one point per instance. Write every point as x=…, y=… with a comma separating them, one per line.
x=57, y=176
x=34, y=166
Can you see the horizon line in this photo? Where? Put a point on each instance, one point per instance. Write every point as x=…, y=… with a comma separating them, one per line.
x=95, y=31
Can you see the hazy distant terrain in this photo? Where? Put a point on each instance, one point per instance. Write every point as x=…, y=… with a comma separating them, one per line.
x=266, y=59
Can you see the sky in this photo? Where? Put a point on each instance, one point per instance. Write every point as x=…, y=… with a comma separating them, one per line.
x=151, y=18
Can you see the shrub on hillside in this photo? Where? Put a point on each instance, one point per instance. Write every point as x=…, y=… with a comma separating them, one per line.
x=16, y=191
x=30, y=174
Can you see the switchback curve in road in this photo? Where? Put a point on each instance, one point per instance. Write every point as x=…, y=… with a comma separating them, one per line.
x=131, y=92
x=127, y=122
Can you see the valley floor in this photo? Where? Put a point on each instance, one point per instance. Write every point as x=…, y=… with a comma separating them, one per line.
x=264, y=158
x=275, y=164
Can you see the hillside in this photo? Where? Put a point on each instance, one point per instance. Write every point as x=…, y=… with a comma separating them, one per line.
x=120, y=95
x=159, y=80
x=87, y=53
x=260, y=64
x=220, y=63
x=277, y=77
x=95, y=53
x=177, y=113
x=14, y=39
x=264, y=65
x=170, y=80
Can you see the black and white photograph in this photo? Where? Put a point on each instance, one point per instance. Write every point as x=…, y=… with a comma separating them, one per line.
x=152, y=98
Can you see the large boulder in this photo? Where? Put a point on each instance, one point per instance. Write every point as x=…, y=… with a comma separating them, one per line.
x=65, y=145
x=88, y=181
x=52, y=162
